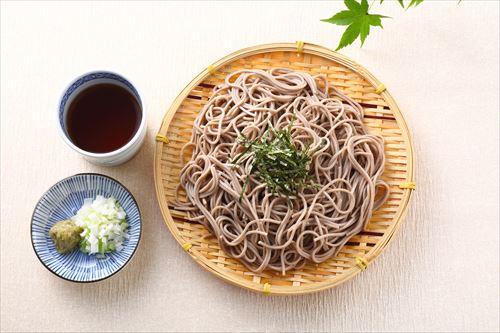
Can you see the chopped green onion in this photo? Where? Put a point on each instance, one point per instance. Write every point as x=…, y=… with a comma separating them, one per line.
x=277, y=162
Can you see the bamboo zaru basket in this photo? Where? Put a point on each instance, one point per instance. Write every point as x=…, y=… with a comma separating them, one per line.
x=382, y=116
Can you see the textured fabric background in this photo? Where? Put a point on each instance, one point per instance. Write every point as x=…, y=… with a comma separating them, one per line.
x=440, y=61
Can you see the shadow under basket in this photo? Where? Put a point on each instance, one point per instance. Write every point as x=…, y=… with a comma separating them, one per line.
x=382, y=117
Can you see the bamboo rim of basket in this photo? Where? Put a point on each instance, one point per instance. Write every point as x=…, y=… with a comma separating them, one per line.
x=374, y=252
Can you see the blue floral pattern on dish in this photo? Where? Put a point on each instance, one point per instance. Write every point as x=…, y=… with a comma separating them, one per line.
x=61, y=202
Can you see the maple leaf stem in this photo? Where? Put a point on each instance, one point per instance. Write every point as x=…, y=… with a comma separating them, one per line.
x=370, y=7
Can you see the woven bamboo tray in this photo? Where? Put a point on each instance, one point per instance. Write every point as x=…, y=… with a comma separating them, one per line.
x=382, y=117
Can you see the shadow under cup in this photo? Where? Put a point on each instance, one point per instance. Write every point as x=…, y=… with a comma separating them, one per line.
x=101, y=117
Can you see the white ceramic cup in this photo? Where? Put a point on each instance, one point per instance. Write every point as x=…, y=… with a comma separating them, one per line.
x=115, y=157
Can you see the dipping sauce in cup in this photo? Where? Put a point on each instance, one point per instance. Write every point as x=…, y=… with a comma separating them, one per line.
x=101, y=116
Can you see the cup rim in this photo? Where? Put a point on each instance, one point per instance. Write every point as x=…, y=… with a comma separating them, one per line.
x=113, y=153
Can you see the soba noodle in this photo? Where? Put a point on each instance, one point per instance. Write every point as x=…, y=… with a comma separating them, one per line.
x=262, y=229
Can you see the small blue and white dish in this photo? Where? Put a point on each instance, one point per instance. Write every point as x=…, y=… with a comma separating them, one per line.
x=61, y=202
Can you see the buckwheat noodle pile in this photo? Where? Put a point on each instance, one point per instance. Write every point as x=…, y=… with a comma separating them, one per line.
x=266, y=230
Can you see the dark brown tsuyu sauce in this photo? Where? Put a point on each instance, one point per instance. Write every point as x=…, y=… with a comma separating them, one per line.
x=103, y=118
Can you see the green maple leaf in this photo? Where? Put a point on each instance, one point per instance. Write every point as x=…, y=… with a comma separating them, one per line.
x=415, y=3
x=358, y=21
